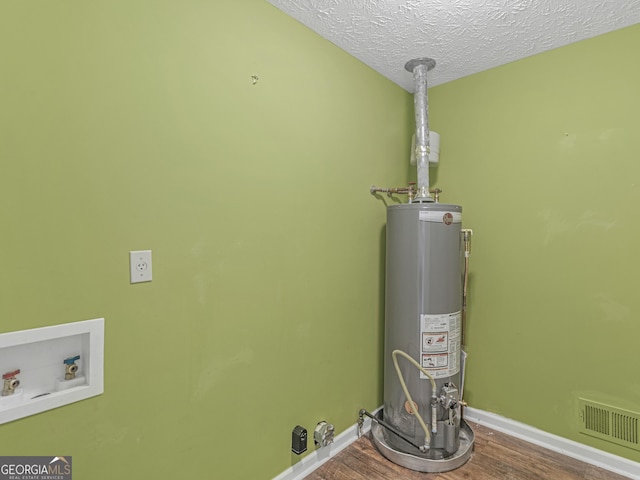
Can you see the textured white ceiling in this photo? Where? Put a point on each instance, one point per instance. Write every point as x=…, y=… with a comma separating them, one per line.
x=463, y=36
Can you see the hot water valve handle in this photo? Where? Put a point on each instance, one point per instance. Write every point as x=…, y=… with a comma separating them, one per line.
x=10, y=383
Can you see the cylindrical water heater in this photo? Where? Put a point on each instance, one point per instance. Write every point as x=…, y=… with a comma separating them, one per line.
x=423, y=317
x=421, y=426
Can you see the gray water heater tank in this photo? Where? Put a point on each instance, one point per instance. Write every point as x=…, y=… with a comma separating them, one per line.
x=423, y=316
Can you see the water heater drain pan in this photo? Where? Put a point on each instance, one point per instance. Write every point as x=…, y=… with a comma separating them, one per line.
x=419, y=464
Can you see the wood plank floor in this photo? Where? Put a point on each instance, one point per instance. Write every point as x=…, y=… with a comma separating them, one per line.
x=496, y=456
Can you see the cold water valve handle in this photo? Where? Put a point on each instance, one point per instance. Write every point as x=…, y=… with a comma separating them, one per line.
x=71, y=367
x=10, y=383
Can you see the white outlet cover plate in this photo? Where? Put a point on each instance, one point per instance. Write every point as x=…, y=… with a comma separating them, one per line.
x=140, y=266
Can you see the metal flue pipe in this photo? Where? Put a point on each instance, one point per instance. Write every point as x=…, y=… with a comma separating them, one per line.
x=419, y=67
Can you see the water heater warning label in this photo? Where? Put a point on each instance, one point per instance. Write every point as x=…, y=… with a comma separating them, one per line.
x=440, y=337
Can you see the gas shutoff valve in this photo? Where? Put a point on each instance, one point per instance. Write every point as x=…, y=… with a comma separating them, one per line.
x=10, y=383
x=323, y=434
x=71, y=367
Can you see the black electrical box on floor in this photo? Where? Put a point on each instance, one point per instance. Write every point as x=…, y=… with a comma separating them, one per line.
x=299, y=440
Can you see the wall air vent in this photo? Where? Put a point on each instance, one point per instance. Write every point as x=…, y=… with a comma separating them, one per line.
x=609, y=423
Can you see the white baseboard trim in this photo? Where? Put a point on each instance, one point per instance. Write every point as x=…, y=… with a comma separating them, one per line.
x=584, y=453
x=313, y=461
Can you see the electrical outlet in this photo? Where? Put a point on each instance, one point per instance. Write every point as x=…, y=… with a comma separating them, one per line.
x=140, y=266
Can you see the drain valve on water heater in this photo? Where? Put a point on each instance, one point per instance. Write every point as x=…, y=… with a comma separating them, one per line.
x=323, y=434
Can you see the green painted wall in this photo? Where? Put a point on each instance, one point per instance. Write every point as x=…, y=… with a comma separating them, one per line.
x=543, y=155
x=129, y=125
x=135, y=125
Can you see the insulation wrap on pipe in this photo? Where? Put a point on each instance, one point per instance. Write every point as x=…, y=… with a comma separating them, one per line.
x=421, y=106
